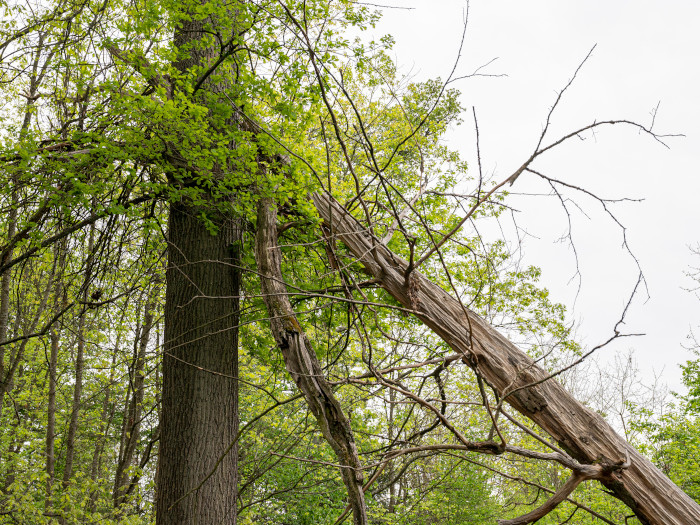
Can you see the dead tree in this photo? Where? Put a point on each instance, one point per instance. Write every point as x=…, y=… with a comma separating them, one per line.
x=301, y=361
x=517, y=379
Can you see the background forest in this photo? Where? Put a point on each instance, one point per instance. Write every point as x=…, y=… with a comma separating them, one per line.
x=145, y=143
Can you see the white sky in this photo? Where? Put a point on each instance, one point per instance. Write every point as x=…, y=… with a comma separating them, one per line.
x=648, y=51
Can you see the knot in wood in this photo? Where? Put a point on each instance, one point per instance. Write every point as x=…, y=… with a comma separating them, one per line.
x=413, y=289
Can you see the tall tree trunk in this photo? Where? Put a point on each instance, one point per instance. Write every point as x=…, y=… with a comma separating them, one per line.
x=198, y=466
x=585, y=435
x=79, y=364
x=60, y=252
x=5, y=299
x=197, y=478
x=132, y=422
x=51, y=418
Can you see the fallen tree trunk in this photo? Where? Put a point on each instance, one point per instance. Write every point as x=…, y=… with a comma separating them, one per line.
x=632, y=478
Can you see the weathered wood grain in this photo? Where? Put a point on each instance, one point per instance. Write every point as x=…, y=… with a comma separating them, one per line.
x=653, y=498
x=301, y=361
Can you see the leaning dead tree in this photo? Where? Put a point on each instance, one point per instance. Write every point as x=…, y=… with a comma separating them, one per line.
x=598, y=452
x=589, y=447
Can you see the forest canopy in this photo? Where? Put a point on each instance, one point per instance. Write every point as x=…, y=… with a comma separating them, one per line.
x=243, y=280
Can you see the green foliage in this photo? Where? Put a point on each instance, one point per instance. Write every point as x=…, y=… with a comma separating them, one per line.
x=108, y=122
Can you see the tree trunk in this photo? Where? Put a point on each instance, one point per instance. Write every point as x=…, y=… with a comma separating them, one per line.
x=301, y=361
x=197, y=478
x=51, y=419
x=5, y=291
x=60, y=300
x=198, y=466
x=653, y=498
x=132, y=421
x=79, y=364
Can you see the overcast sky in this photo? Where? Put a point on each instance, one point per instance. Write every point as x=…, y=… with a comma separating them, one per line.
x=647, y=53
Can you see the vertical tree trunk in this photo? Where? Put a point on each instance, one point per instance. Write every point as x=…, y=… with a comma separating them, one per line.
x=132, y=422
x=5, y=300
x=60, y=253
x=51, y=419
x=197, y=479
x=198, y=468
x=79, y=365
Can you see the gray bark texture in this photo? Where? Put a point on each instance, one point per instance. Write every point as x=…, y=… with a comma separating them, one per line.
x=199, y=398
x=198, y=465
x=71, y=438
x=653, y=498
x=301, y=361
x=51, y=418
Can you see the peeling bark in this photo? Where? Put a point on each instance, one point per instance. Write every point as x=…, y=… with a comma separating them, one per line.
x=301, y=361
x=653, y=498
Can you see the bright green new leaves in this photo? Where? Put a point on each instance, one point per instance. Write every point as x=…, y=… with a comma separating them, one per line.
x=108, y=121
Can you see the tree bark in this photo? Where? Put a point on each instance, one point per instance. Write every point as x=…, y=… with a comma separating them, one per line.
x=5, y=302
x=5, y=290
x=71, y=436
x=199, y=401
x=197, y=469
x=60, y=253
x=653, y=498
x=79, y=365
x=301, y=361
x=51, y=418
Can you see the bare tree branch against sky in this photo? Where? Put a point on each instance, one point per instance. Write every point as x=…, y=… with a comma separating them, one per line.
x=644, y=68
